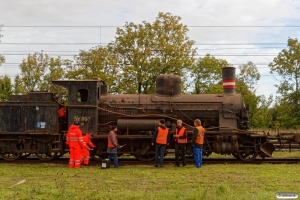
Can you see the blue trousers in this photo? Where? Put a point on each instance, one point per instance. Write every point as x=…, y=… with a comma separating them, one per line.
x=160, y=152
x=198, y=156
x=115, y=157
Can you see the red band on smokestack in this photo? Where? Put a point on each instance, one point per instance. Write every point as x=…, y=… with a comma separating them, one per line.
x=229, y=83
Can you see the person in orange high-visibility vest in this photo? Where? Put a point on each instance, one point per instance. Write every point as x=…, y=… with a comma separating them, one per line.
x=161, y=139
x=75, y=141
x=85, y=154
x=180, y=138
x=113, y=145
x=197, y=142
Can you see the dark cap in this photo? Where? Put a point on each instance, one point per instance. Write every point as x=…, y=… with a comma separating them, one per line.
x=162, y=121
x=76, y=123
x=92, y=135
x=113, y=127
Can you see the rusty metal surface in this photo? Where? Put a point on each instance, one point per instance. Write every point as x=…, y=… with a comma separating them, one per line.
x=84, y=94
x=209, y=108
x=168, y=84
x=287, y=136
x=297, y=138
x=137, y=116
x=39, y=114
x=29, y=124
x=137, y=124
x=267, y=148
x=125, y=137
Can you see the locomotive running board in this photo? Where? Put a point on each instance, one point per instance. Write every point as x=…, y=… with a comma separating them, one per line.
x=267, y=148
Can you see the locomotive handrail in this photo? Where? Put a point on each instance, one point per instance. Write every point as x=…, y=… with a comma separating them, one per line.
x=122, y=107
x=171, y=96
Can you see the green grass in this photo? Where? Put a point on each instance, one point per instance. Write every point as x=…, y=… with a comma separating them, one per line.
x=276, y=154
x=227, y=181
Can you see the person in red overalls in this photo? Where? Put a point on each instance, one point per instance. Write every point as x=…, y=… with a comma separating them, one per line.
x=75, y=141
x=85, y=154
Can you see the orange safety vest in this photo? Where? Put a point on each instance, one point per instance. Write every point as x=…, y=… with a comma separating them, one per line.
x=181, y=133
x=200, y=136
x=61, y=112
x=162, y=136
x=110, y=144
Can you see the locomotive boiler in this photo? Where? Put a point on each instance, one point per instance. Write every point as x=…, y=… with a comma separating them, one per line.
x=30, y=123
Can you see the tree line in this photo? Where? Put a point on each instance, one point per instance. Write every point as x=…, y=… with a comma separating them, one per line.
x=140, y=52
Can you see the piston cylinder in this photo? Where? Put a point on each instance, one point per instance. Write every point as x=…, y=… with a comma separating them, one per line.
x=137, y=124
x=225, y=147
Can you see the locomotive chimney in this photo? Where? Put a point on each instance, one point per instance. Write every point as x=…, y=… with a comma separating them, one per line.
x=228, y=74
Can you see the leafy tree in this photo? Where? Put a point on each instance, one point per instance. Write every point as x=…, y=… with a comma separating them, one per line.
x=2, y=59
x=5, y=88
x=146, y=50
x=37, y=71
x=207, y=75
x=287, y=65
x=5, y=83
x=250, y=75
x=97, y=62
x=263, y=114
x=246, y=82
x=284, y=114
x=249, y=98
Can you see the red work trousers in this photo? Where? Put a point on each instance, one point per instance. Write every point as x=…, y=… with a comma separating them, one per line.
x=85, y=156
x=75, y=153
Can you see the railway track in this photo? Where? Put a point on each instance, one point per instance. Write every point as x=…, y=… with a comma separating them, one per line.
x=122, y=162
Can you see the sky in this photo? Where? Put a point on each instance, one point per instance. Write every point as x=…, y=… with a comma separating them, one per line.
x=236, y=30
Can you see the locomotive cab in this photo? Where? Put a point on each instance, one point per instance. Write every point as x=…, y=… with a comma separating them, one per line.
x=83, y=101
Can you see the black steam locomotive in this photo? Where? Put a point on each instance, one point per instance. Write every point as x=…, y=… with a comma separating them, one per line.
x=29, y=124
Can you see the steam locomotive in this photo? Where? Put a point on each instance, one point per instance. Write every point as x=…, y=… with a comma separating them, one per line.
x=29, y=124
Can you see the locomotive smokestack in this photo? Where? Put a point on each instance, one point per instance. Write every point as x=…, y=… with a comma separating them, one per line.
x=228, y=74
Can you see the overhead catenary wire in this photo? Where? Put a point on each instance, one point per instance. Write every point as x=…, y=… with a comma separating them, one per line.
x=273, y=55
x=84, y=50
x=115, y=26
x=218, y=46
x=259, y=64
x=97, y=43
